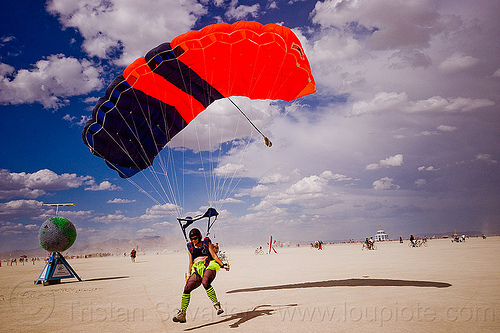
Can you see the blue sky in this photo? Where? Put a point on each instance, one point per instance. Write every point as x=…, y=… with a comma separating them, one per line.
x=402, y=132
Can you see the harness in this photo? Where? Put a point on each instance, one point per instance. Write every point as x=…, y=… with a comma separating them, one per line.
x=201, y=251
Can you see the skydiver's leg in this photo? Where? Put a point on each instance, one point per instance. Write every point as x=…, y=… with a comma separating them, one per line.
x=192, y=283
x=208, y=277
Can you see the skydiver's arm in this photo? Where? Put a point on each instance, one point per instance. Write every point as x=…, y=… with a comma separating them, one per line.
x=214, y=255
x=190, y=263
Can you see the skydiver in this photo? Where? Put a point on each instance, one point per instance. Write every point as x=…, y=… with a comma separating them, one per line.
x=203, y=265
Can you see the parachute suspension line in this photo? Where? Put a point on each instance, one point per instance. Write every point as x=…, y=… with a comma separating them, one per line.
x=121, y=145
x=266, y=139
x=225, y=184
x=171, y=181
x=168, y=198
x=188, y=87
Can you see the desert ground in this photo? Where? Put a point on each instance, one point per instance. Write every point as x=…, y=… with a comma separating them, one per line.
x=443, y=287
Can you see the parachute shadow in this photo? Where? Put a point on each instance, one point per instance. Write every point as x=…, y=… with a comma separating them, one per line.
x=108, y=278
x=244, y=316
x=98, y=279
x=348, y=283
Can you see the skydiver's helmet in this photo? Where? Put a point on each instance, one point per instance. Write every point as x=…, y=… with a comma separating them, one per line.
x=195, y=233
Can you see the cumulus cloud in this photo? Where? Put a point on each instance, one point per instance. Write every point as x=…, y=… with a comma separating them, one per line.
x=409, y=59
x=420, y=182
x=240, y=12
x=486, y=158
x=120, y=201
x=49, y=82
x=14, y=229
x=446, y=128
x=103, y=186
x=125, y=27
x=278, y=176
x=20, y=208
x=160, y=211
x=457, y=63
x=307, y=192
x=152, y=214
x=385, y=183
x=429, y=168
x=229, y=169
x=34, y=185
x=391, y=161
x=229, y=200
x=387, y=102
x=390, y=23
x=115, y=218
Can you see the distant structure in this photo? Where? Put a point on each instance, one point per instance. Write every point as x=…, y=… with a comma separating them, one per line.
x=381, y=236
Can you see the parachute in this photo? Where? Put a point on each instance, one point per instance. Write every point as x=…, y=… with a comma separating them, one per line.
x=160, y=94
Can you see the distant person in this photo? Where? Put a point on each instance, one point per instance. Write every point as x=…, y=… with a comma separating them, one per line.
x=133, y=254
x=401, y=239
x=412, y=240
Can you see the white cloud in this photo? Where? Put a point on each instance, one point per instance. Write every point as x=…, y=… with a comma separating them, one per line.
x=383, y=101
x=486, y=158
x=34, y=185
x=103, y=186
x=385, y=183
x=446, y=128
x=161, y=211
x=394, y=23
x=457, y=63
x=391, y=161
x=121, y=201
x=132, y=27
x=229, y=200
x=307, y=192
x=154, y=213
x=228, y=170
x=387, y=102
x=115, y=218
x=277, y=177
x=162, y=225
x=259, y=190
x=240, y=12
x=429, y=168
x=12, y=229
x=20, y=208
x=50, y=82
x=420, y=182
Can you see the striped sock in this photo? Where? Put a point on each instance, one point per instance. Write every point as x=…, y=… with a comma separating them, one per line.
x=211, y=294
x=185, y=301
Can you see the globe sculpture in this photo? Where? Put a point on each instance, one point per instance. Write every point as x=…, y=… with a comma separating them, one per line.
x=57, y=234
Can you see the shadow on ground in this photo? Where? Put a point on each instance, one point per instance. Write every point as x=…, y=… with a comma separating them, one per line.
x=244, y=316
x=348, y=283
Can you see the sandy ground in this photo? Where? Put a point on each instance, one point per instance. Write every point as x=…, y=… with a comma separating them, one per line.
x=440, y=288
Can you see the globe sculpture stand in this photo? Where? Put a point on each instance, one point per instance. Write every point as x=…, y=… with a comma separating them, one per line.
x=56, y=235
x=55, y=269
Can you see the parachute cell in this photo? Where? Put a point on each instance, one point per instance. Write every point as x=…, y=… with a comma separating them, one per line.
x=159, y=94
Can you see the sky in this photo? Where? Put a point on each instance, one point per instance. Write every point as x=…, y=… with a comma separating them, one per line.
x=402, y=133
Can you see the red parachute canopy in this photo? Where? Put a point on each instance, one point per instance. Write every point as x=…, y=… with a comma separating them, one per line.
x=159, y=94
